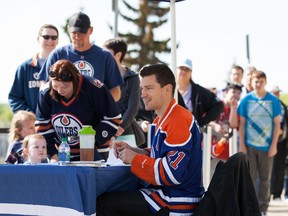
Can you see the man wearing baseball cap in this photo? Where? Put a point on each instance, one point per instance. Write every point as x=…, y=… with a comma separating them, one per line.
x=279, y=162
x=200, y=101
x=79, y=22
x=89, y=59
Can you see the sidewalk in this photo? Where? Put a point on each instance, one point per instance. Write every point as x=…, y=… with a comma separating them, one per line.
x=278, y=208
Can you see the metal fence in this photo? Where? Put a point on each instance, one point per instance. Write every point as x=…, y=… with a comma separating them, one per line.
x=207, y=137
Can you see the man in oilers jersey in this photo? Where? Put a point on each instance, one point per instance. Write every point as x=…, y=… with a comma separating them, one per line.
x=171, y=170
x=69, y=101
x=88, y=58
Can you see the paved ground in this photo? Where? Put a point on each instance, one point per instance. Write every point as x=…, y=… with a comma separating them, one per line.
x=278, y=208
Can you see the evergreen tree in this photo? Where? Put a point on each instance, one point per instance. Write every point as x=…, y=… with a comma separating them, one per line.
x=5, y=116
x=65, y=28
x=142, y=47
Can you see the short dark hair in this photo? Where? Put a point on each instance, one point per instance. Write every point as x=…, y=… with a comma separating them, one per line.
x=237, y=67
x=47, y=26
x=233, y=86
x=117, y=45
x=258, y=74
x=64, y=66
x=162, y=72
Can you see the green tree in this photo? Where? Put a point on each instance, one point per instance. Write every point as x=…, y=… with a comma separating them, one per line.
x=65, y=29
x=5, y=115
x=142, y=47
x=284, y=98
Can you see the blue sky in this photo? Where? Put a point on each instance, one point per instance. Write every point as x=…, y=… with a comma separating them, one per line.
x=211, y=33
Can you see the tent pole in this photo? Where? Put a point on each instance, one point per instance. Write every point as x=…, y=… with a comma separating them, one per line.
x=173, y=43
x=116, y=12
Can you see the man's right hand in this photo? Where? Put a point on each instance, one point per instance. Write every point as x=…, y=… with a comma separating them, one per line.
x=119, y=146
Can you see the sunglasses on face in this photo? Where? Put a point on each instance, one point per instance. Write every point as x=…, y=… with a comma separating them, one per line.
x=182, y=68
x=47, y=37
x=65, y=77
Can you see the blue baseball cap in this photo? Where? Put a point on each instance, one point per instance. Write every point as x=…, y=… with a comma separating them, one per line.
x=186, y=63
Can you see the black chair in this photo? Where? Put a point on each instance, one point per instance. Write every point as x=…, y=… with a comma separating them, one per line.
x=231, y=190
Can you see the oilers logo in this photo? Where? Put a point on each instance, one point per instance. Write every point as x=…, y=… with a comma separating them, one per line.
x=84, y=68
x=66, y=125
x=104, y=133
x=34, y=83
x=36, y=75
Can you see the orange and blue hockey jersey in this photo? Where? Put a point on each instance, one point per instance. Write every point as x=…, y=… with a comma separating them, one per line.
x=174, y=168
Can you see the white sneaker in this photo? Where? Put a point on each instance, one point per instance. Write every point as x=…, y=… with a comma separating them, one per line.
x=277, y=199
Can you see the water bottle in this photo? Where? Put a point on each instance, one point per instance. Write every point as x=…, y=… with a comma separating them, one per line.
x=87, y=143
x=64, y=151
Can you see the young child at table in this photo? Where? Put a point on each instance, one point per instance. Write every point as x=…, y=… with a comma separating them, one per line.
x=22, y=125
x=35, y=149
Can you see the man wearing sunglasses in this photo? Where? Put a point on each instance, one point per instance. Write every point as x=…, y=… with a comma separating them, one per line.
x=88, y=58
x=24, y=91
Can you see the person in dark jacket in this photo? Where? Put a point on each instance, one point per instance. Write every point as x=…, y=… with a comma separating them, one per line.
x=279, y=162
x=203, y=103
x=130, y=91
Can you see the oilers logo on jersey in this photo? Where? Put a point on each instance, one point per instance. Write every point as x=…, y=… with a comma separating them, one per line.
x=66, y=125
x=85, y=68
x=36, y=75
x=105, y=134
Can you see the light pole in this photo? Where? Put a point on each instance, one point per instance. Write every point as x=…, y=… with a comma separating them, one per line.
x=247, y=48
x=116, y=12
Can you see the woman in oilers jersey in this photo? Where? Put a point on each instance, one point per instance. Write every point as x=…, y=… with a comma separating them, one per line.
x=70, y=100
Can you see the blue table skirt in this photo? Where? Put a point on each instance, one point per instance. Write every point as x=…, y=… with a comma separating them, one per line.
x=59, y=190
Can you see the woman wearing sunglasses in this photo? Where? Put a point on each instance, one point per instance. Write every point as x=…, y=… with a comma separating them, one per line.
x=70, y=100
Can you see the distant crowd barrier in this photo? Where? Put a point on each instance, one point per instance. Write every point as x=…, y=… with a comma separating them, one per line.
x=207, y=138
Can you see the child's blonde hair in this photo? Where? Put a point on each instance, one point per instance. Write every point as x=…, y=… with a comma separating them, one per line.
x=17, y=122
x=26, y=140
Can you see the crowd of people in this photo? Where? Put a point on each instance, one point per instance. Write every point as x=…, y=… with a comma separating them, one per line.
x=61, y=89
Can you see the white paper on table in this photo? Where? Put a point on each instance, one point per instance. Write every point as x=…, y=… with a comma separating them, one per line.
x=112, y=160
